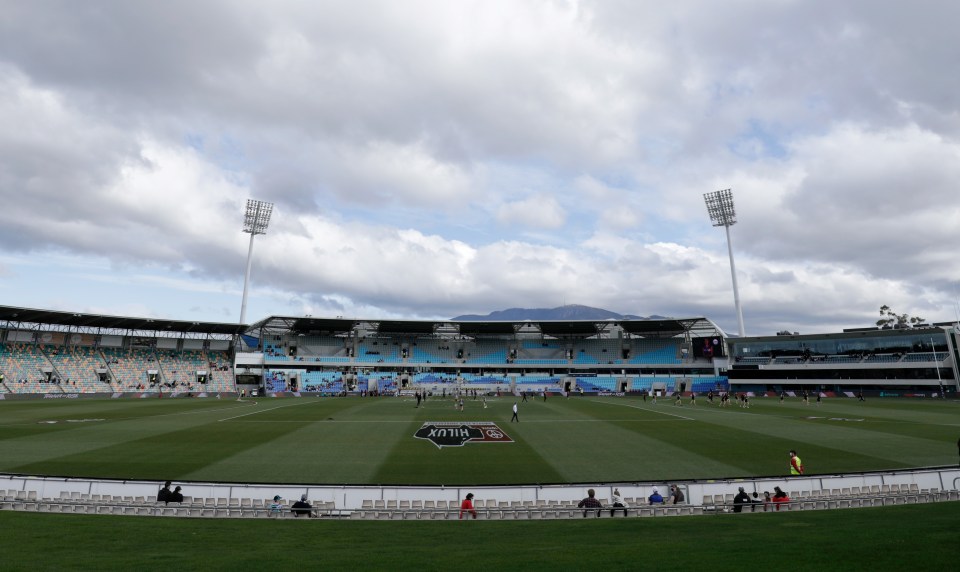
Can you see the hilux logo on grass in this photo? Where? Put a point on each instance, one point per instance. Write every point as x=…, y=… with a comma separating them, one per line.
x=456, y=433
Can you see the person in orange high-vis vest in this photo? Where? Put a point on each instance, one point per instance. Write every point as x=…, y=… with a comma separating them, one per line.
x=796, y=465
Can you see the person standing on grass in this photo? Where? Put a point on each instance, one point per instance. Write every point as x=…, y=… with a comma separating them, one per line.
x=796, y=465
x=514, y=418
x=467, y=506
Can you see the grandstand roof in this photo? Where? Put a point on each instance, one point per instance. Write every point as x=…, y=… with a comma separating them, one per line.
x=331, y=325
x=16, y=317
x=28, y=317
x=486, y=328
x=561, y=328
x=405, y=327
x=661, y=328
x=849, y=334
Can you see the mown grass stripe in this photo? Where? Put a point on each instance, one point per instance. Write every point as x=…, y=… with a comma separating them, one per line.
x=369, y=440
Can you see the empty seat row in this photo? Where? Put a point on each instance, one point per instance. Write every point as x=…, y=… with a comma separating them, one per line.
x=482, y=503
x=523, y=513
x=209, y=502
x=724, y=503
x=73, y=502
x=19, y=495
x=194, y=511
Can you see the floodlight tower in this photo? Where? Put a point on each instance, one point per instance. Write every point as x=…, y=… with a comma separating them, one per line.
x=255, y=222
x=722, y=213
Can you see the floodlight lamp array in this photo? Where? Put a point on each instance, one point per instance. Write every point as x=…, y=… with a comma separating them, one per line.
x=720, y=208
x=257, y=216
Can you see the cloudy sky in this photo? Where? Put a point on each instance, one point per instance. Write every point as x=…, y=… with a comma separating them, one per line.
x=433, y=158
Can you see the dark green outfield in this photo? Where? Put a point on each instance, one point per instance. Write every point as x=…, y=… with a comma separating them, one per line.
x=370, y=440
x=909, y=537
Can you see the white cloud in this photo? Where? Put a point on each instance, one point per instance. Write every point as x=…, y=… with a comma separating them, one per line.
x=436, y=158
x=539, y=211
x=883, y=201
x=403, y=173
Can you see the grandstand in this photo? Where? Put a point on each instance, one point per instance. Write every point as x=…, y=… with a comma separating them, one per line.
x=54, y=354
x=555, y=356
x=46, y=352
x=879, y=361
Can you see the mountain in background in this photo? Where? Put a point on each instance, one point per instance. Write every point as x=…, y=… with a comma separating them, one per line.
x=570, y=312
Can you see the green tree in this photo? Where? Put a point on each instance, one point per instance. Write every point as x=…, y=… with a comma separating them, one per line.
x=891, y=319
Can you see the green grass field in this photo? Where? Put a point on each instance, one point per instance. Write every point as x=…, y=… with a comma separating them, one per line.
x=371, y=440
x=861, y=539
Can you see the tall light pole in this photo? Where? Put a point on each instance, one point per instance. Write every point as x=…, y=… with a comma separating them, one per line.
x=255, y=222
x=933, y=347
x=722, y=213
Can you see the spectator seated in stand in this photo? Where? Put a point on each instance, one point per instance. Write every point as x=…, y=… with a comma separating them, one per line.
x=276, y=507
x=467, y=506
x=618, y=503
x=655, y=497
x=590, y=502
x=741, y=499
x=676, y=495
x=779, y=497
x=164, y=494
x=302, y=507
